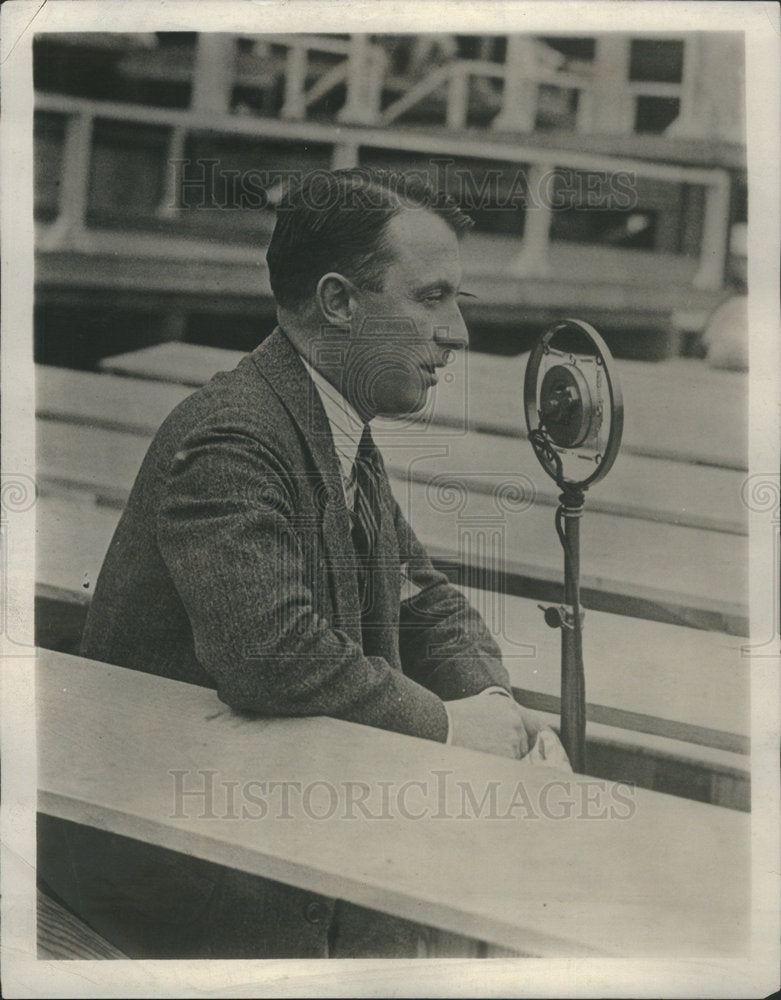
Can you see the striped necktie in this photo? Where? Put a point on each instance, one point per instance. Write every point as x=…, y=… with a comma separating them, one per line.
x=366, y=513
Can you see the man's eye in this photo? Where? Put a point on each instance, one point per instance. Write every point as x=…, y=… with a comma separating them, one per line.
x=434, y=296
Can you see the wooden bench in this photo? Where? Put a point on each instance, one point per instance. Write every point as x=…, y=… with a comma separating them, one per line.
x=679, y=409
x=648, y=568
x=667, y=705
x=658, y=490
x=63, y=935
x=687, y=522
x=663, y=876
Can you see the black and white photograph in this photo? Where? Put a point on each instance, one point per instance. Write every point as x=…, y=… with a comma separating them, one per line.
x=391, y=520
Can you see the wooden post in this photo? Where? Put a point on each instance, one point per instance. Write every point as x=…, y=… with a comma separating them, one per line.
x=74, y=183
x=519, y=97
x=362, y=104
x=692, y=121
x=170, y=201
x=533, y=258
x=344, y=155
x=213, y=76
x=458, y=95
x=295, y=81
x=715, y=232
x=612, y=111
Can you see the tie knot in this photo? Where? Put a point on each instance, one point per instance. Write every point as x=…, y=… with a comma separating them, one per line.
x=366, y=446
x=368, y=455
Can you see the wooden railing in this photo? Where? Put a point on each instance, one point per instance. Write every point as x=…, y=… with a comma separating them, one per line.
x=605, y=92
x=583, y=867
x=70, y=230
x=517, y=884
x=668, y=556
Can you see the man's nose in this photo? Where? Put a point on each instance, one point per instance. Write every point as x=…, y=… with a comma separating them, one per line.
x=453, y=336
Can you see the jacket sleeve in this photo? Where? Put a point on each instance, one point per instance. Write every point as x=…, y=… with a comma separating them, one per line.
x=443, y=641
x=225, y=530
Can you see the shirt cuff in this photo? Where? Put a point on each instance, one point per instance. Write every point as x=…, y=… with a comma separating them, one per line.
x=449, y=740
x=491, y=690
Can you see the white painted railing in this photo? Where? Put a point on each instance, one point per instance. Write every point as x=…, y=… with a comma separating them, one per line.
x=346, y=142
x=606, y=95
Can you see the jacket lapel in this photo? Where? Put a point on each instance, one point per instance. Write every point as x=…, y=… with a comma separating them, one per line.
x=278, y=363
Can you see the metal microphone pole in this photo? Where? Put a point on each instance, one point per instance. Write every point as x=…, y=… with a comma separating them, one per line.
x=573, y=681
x=574, y=412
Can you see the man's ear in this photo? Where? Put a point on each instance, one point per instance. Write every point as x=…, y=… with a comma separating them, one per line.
x=334, y=299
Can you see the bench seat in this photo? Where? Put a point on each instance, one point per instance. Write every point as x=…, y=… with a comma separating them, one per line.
x=542, y=881
x=661, y=692
x=648, y=568
x=678, y=409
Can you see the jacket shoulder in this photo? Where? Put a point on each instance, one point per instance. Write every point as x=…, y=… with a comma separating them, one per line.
x=240, y=401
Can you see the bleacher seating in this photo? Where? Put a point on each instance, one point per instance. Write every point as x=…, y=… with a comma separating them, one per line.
x=664, y=545
x=130, y=251
x=669, y=879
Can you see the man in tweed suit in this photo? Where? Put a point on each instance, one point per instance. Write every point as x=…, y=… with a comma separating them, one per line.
x=236, y=565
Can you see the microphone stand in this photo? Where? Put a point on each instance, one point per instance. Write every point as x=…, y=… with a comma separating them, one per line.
x=573, y=680
x=550, y=422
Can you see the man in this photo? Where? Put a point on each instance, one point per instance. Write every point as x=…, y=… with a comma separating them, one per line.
x=262, y=553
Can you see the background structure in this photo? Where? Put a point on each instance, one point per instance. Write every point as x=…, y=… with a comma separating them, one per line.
x=605, y=173
x=606, y=177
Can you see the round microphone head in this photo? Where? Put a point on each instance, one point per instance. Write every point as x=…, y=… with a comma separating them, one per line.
x=573, y=404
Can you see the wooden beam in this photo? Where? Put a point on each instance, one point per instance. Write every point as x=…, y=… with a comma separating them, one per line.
x=680, y=409
x=213, y=74
x=432, y=143
x=669, y=567
x=525, y=883
x=636, y=667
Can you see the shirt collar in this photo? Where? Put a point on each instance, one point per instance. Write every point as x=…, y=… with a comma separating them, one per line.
x=346, y=426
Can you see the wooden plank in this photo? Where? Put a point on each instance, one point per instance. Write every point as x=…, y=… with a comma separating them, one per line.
x=638, y=487
x=656, y=565
x=72, y=538
x=664, y=491
x=679, y=409
x=666, y=680
x=185, y=364
x=645, y=676
x=676, y=567
x=63, y=936
x=71, y=396
x=91, y=460
x=554, y=887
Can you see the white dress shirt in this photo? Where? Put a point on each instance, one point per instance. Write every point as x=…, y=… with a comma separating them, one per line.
x=346, y=430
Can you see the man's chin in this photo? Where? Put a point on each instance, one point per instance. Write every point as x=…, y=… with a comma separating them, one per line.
x=399, y=409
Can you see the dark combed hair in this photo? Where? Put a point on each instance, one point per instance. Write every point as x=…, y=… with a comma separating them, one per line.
x=336, y=221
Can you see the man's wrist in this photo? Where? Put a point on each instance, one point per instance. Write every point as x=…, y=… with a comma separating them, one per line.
x=495, y=689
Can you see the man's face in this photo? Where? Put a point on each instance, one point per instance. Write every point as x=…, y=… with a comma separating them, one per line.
x=402, y=335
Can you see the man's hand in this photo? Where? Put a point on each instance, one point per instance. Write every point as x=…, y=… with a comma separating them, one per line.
x=493, y=723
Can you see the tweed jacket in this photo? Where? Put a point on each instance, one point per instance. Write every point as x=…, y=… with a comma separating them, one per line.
x=233, y=567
